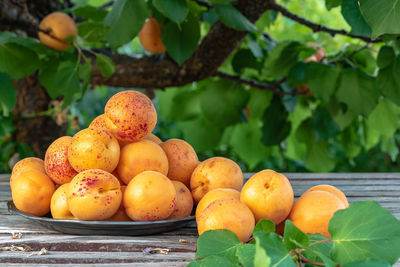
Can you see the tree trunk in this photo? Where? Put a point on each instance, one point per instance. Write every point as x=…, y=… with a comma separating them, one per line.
x=38, y=132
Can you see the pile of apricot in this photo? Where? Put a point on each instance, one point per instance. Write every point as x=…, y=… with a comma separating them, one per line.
x=117, y=170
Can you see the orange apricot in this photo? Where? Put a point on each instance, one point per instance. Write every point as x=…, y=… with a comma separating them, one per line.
x=150, y=196
x=312, y=212
x=150, y=36
x=216, y=172
x=331, y=189
x=230, y=214
x=214, y=195
x=94, y=195
x=56, y=161
x=182, y=159
x=141, y=156
x=55, y=28
x=32, y=192
x=131, y=115
x=153, y=137
x=26, y=164
x=59, y=204
x=94, y=148
x=184, y=201
x=269, y=195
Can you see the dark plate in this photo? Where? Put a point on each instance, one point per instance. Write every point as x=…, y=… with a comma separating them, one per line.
x=78, y=227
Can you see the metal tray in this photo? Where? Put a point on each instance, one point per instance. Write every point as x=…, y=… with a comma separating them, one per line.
x=79, y=227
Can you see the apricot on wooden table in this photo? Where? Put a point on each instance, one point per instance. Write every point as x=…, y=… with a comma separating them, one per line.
x=150, y=196
x=184, y=201
x=214, y=195
x=94, y=195
x=56, y=161
x=32, y=192
x=216, y=172
x=120, y=215
x=269, y=195
x=331, y=189
x=131, y=115
x=227, y=213
x=94, y=148
x=141, y=156
x=182, y=159
x=55, y=28
x=59, y=204
x=312, y=212
x=153, y=137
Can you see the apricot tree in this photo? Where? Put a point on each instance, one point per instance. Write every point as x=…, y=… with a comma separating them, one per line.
x=227, y=80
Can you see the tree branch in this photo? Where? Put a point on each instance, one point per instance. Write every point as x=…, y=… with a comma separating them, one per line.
x=273, y=87
x=318, y=27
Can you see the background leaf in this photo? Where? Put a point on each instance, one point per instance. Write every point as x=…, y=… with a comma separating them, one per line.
x=175, y=10
x=105, y=64
x=232, y=17
x=8, y=94
x=12, y=55
x=352, y=14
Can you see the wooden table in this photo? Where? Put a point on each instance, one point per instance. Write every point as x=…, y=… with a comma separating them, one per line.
x=70, y=250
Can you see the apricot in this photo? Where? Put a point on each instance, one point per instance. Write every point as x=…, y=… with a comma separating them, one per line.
x=141, y=156
x=131, y=115
x=150, y=36
x=150, y=196
x=32, y=192
x=55, y=28
x=331, y=189
x=115, y=173
x=227, y=213
x=312, y=212
x=184, y=201
x=94, y=195
x=26, y=164
x=182, y=159
x=214, y=195
x=152, y=137
x=93, y=148
x=216, y=172
x=56, y=161
x=59, y=204
x=269, y=195
x=120, y=215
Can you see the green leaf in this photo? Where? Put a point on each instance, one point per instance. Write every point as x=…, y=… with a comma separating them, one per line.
x=90, y=12
x=181, y=42
x=350, y=142
x=258, y=102
x=232, y=17
x=384, y=118
x=321, y=248
x=317, y=159
x=322, y=80
x=363, y=231
x=246, y=140
x=11, y=57
x=85, y=74
x=217, y=242
x=220, y=1
x=105, y=64
x=293, y=237
x=281, y=59
x=92, y=31
x=386, y=56
x=201, y=134
x=185, y=105
x=388, y=81
x=274, y=248
x=275, y=125
x=389, y=146
x=211, y=261
x=8, y=94
x=222, y=102
x=323, y=126
x=358, y=91
x=267, y=19
x=48, y=78
x=67, y=81
x=265, y=226
x=261, y=258
x=125, y=20
x=382, y=16
x=246, y=254
x=244, y=58
x=352, y=14
x=175, y=10
x=367, y=263
x=332, y=3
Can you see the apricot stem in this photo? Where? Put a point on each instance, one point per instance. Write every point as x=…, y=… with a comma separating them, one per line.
x=305, y=260
x=320, y=242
